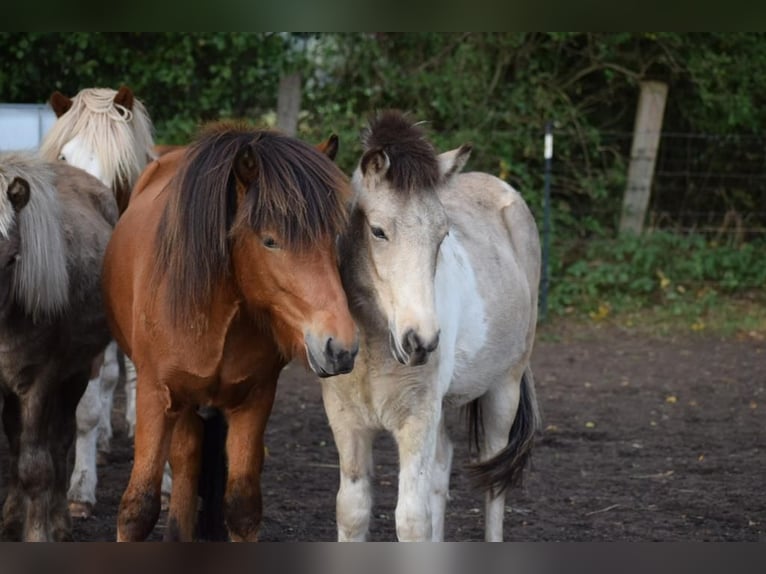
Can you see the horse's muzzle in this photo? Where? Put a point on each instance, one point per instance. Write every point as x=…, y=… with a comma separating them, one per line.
x=328, y=357
x=413, y=350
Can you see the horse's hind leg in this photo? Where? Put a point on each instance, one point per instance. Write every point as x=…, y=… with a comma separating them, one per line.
x=13, y=509
x=244, y=447
x=185, y=459
x=140, y=504
x=506, y=444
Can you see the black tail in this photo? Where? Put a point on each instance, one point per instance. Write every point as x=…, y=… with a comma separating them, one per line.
x=211, y=524
x=506, y=468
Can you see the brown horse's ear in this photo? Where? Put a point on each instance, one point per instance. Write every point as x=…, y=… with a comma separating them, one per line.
x=245, y=167
x=330, y=146
x=18, y=193
x=124, y=98
x=375, y=163
x=60, y=103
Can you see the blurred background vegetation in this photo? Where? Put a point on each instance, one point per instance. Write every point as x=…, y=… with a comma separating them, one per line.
x=700, y=262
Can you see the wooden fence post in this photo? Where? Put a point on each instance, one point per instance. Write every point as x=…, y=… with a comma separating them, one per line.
x=643, y=153
x=289, y=103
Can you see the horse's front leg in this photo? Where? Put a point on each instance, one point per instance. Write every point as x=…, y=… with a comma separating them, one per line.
x=185, y=459
x=244, y=448
x=13, y=508
x=110, y=376
x=416, y=440
x=82, y=483
x=440, y=482
x=140, y=504
x=62, y=433
x=353, y=439
x=36, y=469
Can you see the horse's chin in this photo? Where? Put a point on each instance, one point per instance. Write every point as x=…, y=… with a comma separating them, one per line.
x=397, y=352
x=315, y=366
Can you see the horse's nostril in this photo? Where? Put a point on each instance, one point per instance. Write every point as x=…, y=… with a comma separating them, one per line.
x=434, y=343
x=410, y=341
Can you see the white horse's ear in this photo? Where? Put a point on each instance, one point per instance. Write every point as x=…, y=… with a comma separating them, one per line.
x=124, y=97
x=453, y=161
x=18, y=193
x=60, y=103
x=375, y=164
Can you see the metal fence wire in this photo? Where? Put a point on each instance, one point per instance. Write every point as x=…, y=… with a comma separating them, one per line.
x=708, y=184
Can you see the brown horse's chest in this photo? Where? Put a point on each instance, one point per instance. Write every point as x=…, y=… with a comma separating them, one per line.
x=221, y=371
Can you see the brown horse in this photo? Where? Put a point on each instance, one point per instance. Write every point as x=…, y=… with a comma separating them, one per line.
x=55, y=221
x=221, y=270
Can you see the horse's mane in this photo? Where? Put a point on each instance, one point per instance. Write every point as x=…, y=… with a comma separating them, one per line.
x=122, y=137
x=297, y=193
x=414, y=163
x=41, y=280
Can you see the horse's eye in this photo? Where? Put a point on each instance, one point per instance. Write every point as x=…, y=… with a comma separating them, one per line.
x=377, y=232
x=12, y=261
x=62, y=157
x=270, y=243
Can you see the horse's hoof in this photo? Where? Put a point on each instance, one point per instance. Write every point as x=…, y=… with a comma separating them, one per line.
x=164, y=502
x=81, y=510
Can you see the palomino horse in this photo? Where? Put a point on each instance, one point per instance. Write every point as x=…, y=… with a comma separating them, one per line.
x=55, y=221
x=441, y=271
x=107, y=133
x=222, y=268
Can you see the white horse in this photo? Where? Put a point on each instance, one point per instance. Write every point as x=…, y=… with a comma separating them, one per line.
x=441, y=270
x=108, y=134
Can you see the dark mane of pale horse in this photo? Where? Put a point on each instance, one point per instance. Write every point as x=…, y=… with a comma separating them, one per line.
x=414, y=164
x=41, y=281
x=297, y=192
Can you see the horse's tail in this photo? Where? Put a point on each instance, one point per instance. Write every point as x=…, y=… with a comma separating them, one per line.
x=506, y=468
x=211, y=524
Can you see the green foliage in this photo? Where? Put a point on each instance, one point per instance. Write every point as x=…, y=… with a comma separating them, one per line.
x=617, y=275
x=495, y=90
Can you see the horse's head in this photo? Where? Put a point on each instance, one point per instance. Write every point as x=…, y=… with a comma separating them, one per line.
x=17, y=194
x=269, y=218
x=397, y=227
x=284, y=250
x=104, y=132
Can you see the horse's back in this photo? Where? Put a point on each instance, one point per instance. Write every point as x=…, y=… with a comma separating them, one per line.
x=85, y=196
x=489, y=212
x=497, y=249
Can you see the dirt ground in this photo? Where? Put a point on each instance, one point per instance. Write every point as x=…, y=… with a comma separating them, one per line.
x=644, y=440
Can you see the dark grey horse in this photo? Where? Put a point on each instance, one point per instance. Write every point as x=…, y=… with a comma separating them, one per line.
x=55, y=222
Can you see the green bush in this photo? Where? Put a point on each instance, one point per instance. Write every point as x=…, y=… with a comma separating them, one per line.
x=655, y=269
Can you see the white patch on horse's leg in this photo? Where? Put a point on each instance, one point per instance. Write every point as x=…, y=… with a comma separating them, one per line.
x=110, y=374
x=353, y=504
x=498, y=406
x=416, y=440
x=167, y=486
x=130, y=396
x=82, y=484
x=440, y=483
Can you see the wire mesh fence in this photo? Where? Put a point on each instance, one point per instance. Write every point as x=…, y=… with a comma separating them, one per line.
x=709, y=184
